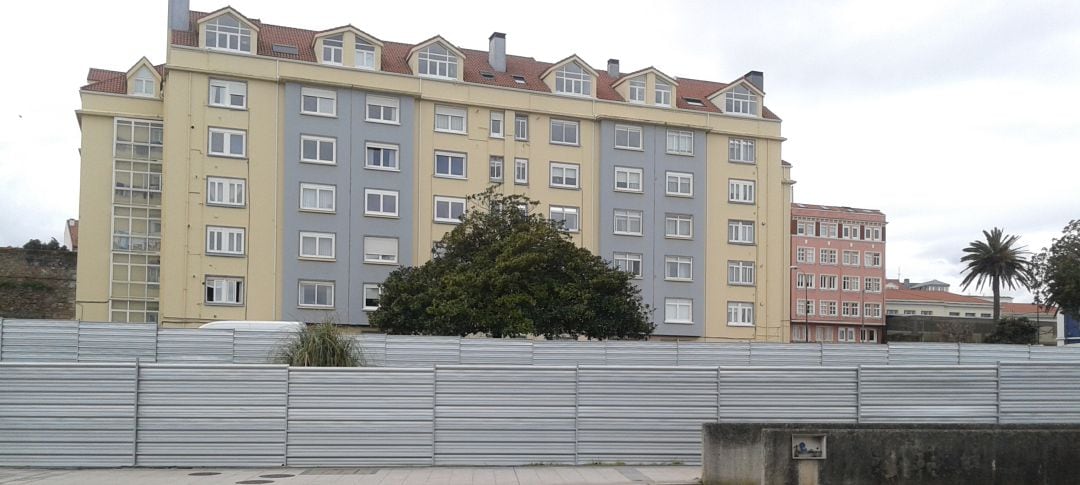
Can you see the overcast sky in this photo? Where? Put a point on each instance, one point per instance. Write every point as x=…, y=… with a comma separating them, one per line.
x=950, y=116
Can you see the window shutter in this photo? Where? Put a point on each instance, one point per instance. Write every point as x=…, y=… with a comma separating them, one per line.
x=380, y=245
x=794, y=228
x=817, y=229
x=882, y=237
x=862, y=232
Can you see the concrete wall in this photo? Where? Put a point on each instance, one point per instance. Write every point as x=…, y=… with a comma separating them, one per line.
x=892, y=453
x=918, y=328
x=37, y=283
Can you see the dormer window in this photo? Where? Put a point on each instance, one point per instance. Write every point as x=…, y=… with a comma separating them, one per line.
x=663, y=94
x=227, y=33
x=741, y=100
x=438, y=61
x=637, y=91
x=572, y=79
x=333, y=49
x=365, y=55
x=144, y=84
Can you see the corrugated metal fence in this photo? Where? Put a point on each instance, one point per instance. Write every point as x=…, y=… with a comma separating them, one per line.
x=142, y=414
x=70, y=341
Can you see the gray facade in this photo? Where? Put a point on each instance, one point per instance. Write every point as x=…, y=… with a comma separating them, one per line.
x=349, y=224
x=656, y=205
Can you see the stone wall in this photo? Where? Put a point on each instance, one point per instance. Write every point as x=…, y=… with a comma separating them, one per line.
x=37, y=283
x=919, y=328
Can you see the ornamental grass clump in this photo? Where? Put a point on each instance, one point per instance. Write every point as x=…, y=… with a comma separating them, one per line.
x=321, y=345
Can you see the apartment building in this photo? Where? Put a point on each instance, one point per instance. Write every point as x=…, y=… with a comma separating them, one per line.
x=838, y=273
x=268, y=172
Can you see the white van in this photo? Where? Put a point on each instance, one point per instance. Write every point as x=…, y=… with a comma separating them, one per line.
x=265, y=326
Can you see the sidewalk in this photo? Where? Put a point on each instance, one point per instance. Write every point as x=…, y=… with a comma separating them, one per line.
x=527, y=475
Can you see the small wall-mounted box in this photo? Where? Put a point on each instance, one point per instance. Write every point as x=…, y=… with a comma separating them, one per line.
x=808, y=446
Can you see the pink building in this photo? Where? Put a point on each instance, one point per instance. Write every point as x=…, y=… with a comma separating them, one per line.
x=837, y=274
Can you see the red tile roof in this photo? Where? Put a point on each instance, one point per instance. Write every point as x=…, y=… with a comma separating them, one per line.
x=946, y=297
x=115, y=82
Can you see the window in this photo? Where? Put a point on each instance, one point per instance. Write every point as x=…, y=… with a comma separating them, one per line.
x=365, y=54
x=680, y=184
x=135, y=275
x=137, y=183
x=495, y=169
x=874, y=233
x=805, y=228
x=568, y=216
x=381, y=202
x=850, y=232
x=144, y=83
x=318, y=149
x=968, y=314
x=827, y=308
x=679, y=226
x=228, y=143
x=741, y=273
x=628, y=137
x=740, y=101
x=872, y=285
x=741, y=232
x=804, y=255
x=827, y=282
x=628, y=222
x=894, y=312
x=496, y=124
x=228, y=94
x=521, y=127
x=850, y=258
x=450, y=165
x=438, y=61
x=741, y=150
x=637, y=91
x=872, y=259
x=804, y=307
x=869, y=334
x=521, y=171
x=224, y=240
x=798, y=333
x=680, y=142
x=823, y=334
x=139, y=141
x=741, y=191
x=317, y=245
x=319, y=102
x=372, y=293
x=382, y=109
x=629, y=262
x=519, y=79
x=678, y=310
x=740, y=314
x=564, y=175
x=564, y=132
x=226, y=33
x=804, y=280
x=225, y=191
x=678, y=268
x=845, y=334
x=381, y=156
x=332, y=50
x=850, y=308
x=628, y=179
x=872, y=310
x=951, y=314
x=449, y=119
x=827, y=256
x=985, y=315
x=224, y=290
x=663, y=94
x=320, y=198
x=133, y=311
x=828, y=229
x=449, y=209
x=317, y=294
x=572, y=79
x=380, y=250
x=694, y=102
x=850, y=283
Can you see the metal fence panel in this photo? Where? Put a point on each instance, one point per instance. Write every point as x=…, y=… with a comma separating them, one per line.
x=990, y=354
x=372, y=416
x=800, y=355
x=414, y=351
x=504, y=415
x=846, y=355
x=1069, y=353
x=117, y=342
x=706, y=354
x=195, y=346
x=568, y=352
x=259, y=347
x=211, y=415
x=921, y=353
x=1042, y=392
x=788, y=395
x=67, y=415
x=643, y=414
x=496, y=351
x=641, y=353
x=40, y=340
x=372, y=347
x=928, y=394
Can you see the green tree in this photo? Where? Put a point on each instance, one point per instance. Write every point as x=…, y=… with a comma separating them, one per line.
x=1057, y=272
x=997, y=260
x=1012, y=330
x=508, y=271
x=52, y=245
x=320, y=345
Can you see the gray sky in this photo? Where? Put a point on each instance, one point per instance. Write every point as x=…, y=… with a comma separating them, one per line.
x=950, y=116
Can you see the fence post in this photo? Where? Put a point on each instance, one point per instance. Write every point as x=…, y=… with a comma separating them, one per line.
x=135, y=419
x=285, y=444
x=435, y=405
x=997, y=377
x=577, y=409
x=157, y=340
x=78, y=340
x=858, y=394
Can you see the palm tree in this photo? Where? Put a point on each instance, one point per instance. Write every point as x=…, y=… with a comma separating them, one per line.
x=999, y=260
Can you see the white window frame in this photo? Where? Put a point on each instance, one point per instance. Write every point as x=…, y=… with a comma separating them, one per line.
x=225, y=241
x=662, y=94
x=828, y=282
x=226, y=142
x=741, y=232
x=496, y=126
x=521, y=127
x=382, y=148
x=806, y=228
x=680, y=178
x=629, y=216
x=678, y=263
x=319, y=190
x=450, y=158
x=228, y=89
x=226, y=285
x=628, y=131
x=565, y=168
x=678, y=304
x=829, y=230
x=742, y=150
x=521, y=171
x=874, y=233
x=367, y=288
x=676, y=139
x=805, y=280
x=448, y=115
x=869, y=334
x=637, y=91
x=316, y=284
x=216, y=31
x=845, y=334
x=680, y=221
x=828, y=308
x=144, y=84
x=740, y=314
x=849, y=309
x=385, y=104
x=437, y=61
x=872, y=310
x=851, y=231
x=373, y=254
x=626, y=262
x=827, y=256
x=318, y=237
x=823, y=334
x=850, y=283
x=741, y=273
x=566, y=211
x=333, y=52
x=740, y=101
x=628, y=173
x=804, y=254
x=850, y=258
x=872, y=259
x=872, y=284
x=450, y=203
x=496, y=168
x=363, y=54
x=572, y=79
x=226, y=192
x=321, y=144
x=383, y=196
x=562, y=126
x=804, y=307
x=325, y=102
x=741, y=191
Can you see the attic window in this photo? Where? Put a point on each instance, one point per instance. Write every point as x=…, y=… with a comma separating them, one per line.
x=333, y=50
x=285, y=49
x=487, y=75
x=572, y=79
x=144, y=83
x=227, y=33
x=740, y=100
x=438, y=61
x=519, y=79
x=694, y=102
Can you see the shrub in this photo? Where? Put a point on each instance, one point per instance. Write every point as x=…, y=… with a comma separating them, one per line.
x=321, y=345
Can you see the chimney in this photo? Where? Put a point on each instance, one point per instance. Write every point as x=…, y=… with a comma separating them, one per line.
x=179, y=15
x=497, y=51
x=757, y=78
x=613, y=68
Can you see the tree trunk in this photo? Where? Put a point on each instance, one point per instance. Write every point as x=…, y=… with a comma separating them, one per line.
x=997, y=298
